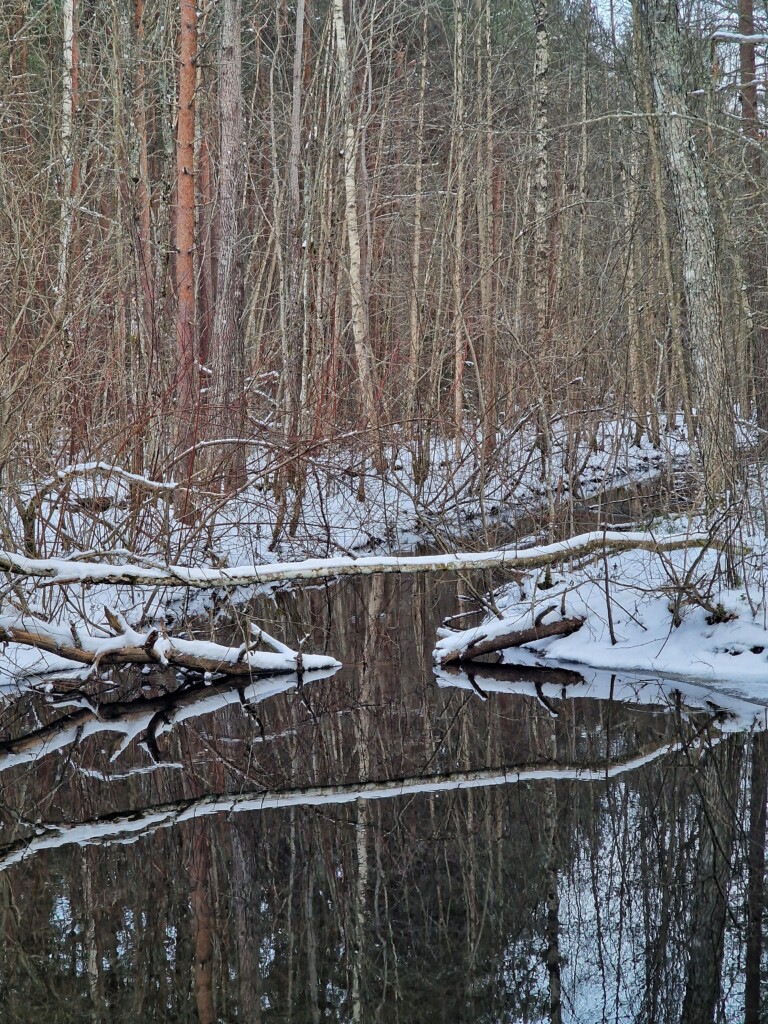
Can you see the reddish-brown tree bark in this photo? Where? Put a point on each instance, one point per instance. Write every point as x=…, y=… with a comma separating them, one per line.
x=187, y=389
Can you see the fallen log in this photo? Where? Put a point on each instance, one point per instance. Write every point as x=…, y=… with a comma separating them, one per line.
x=485, y=644
x=127, y=646
x=64, y=572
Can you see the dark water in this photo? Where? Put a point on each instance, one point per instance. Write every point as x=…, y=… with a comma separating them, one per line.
x=381, y=845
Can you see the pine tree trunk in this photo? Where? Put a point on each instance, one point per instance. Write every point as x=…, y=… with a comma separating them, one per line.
x=187, y=389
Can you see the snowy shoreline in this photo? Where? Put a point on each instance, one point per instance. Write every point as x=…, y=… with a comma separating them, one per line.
x=642, y=610
x=642, y=613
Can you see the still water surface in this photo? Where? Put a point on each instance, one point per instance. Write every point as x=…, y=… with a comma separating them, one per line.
x=381, y=845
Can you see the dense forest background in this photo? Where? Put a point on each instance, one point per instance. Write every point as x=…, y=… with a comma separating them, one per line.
x=287, y=226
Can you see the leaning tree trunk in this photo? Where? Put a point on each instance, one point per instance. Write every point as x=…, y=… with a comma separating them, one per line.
x=701, y=282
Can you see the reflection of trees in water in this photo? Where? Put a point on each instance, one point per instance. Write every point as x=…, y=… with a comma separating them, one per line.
x=460, y=904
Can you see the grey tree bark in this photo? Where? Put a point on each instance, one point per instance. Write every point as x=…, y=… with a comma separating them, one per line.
x=701, y=279
x=227, y=351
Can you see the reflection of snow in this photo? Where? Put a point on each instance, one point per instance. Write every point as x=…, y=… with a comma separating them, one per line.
x=170, y=944
x=742, y=712
x=267, y=954
x=142, y=718
x=61, y=914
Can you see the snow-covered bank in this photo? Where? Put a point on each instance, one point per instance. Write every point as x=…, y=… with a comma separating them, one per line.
x=342, y=509
x=337, y=504
x=670, y=614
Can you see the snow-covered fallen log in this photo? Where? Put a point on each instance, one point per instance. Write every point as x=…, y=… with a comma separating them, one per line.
x=63, y=571
x=469, y=644
x=127, y=646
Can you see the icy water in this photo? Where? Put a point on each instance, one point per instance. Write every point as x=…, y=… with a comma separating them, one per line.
x=381, y=845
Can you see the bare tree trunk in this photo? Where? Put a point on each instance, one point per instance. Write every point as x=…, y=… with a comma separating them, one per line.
x=360, y=329
x=187, y=386
x=227, y=352
x=542, y=184
x=458, y=168
x=144, y=239
x=485, y=220
x=295, y=320
x=414, y=313
x=757, y=286
x=69, y=178
x=583, y=159
x=701, y=278
x=676, y=362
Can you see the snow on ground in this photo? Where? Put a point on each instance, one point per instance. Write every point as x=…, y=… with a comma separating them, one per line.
x=670, y=614
x=344, y=506
x=87, y=512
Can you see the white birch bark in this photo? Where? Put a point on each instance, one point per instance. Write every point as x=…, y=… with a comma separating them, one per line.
x=67, y=156
x=357, y=297
x=604, y=542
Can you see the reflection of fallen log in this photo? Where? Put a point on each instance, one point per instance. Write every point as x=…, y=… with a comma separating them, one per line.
x=475, y=643
x=127, y=826
x=455, y=674
x=126, y=646
x=142, y=718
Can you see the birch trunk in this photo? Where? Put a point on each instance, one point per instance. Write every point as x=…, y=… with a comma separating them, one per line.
x=701, y=279
x=360, y=331
x=69, y=166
